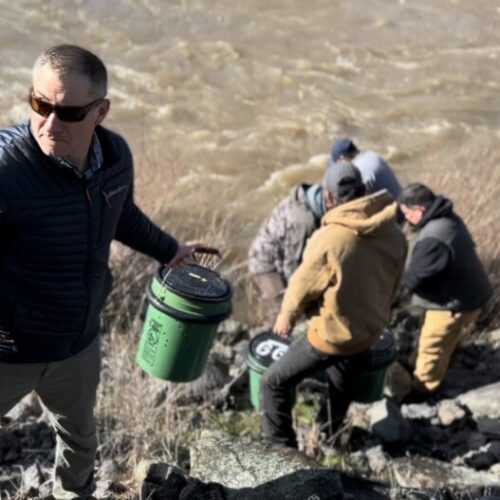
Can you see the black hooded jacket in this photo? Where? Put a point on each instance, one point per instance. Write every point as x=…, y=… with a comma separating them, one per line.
x=443, y=270
x=55, y=235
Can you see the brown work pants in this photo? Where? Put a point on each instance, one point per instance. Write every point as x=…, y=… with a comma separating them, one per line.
x=440, y=334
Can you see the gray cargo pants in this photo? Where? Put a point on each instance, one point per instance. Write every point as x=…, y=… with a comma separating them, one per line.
x=300, y=361
x=68, y=390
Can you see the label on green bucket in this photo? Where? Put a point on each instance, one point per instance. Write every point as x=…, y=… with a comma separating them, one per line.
x=152, y=340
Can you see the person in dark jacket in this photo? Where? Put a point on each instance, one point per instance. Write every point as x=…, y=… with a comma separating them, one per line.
x=446, y=278
x=66, y=191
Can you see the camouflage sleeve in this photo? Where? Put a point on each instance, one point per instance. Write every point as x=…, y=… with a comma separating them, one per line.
x=266, y=252
x=300, y=224
x=282, y=238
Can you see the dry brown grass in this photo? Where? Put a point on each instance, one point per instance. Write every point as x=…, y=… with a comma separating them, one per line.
x=139, y=416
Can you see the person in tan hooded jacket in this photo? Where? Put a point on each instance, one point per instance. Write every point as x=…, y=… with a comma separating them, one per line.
x=351, y=269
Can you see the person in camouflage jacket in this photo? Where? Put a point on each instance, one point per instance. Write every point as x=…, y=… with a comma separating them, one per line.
x=277, y=249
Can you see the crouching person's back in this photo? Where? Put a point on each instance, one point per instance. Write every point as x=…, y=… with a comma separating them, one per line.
x=351, y=269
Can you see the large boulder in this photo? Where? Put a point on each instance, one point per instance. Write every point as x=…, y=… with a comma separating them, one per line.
x=424, y=472
x=308, y=484
x=239, y=462
x=230, y=468
x=483, y=402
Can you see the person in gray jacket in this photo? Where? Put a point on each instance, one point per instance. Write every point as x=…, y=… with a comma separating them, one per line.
x=446, y=278
x=277, y=249
x=375, y=171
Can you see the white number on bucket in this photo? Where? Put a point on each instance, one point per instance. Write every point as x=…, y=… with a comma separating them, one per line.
x=276, y=349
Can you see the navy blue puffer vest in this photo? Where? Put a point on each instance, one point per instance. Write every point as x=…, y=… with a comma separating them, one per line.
x=55, y=234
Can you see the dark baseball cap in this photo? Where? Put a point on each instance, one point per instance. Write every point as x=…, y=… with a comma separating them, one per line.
x=341, y=179
x=342, y=147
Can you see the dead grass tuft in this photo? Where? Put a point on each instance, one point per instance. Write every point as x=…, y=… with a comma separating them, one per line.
x=472, y=182
x=140, y=417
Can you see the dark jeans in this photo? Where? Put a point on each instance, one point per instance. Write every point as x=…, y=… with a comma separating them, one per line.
x=302, y=360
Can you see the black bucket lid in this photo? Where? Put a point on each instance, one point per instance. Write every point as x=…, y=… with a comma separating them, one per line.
x=195, y=282
x=266, y=348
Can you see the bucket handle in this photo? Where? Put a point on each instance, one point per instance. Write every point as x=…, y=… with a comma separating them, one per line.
x=207, y=250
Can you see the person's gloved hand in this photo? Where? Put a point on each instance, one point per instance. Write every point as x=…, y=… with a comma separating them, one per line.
x=282, y=326
x=184, y=254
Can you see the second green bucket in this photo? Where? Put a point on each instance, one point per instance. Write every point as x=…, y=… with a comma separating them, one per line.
x=368, y=386
x=263, y=351
x=185, y=307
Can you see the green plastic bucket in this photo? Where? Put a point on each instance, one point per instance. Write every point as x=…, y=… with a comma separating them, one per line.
x=185, y=306
x=368, y=385
x=263, y=351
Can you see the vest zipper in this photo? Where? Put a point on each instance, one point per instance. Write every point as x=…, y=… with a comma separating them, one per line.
x=106, y=198
x=87, y=193
x=87, y=260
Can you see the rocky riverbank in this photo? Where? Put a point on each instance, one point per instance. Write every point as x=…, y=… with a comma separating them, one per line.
x=447, y=447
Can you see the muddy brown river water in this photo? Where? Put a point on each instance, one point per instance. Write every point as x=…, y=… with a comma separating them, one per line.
x=246, y=97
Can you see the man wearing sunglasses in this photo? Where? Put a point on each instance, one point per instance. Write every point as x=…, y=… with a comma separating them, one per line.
x=66, y=191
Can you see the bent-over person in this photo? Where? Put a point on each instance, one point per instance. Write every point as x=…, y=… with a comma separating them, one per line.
x=351, y=269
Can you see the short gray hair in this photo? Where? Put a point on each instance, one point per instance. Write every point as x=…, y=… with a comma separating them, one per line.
x=70, y=59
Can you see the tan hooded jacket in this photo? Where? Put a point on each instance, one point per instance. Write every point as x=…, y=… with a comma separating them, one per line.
x=352, y=267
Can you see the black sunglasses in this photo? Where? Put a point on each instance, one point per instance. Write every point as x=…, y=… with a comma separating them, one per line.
x=64, y=113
